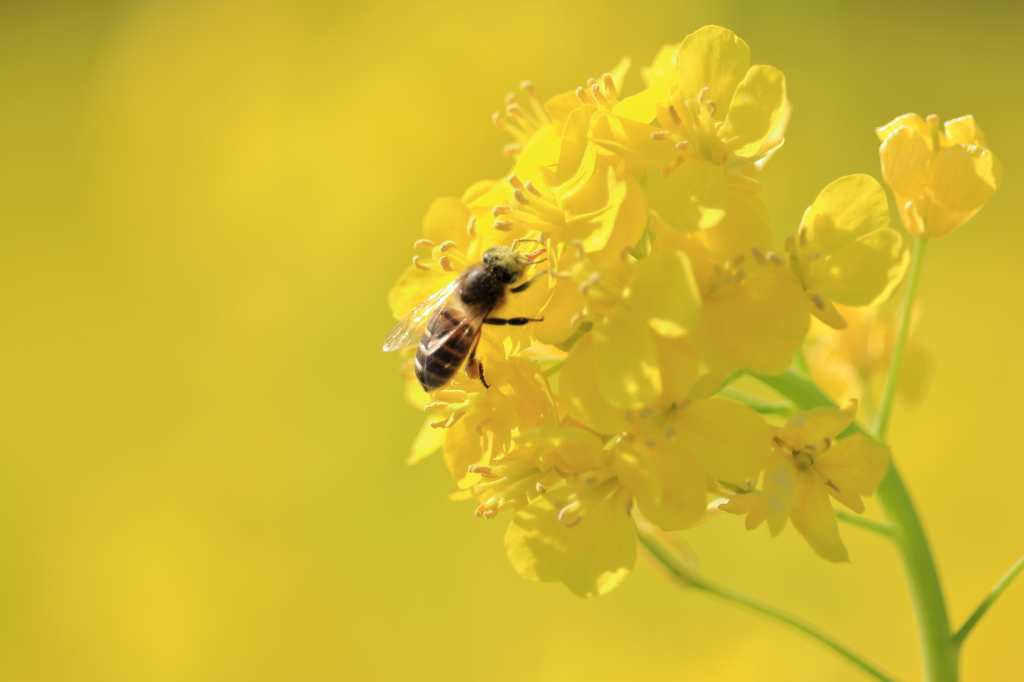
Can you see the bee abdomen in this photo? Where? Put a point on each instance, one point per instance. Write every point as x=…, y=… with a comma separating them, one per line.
x=436, y=363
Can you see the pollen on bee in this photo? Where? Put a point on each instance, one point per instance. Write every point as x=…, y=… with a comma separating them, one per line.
x=420, y=264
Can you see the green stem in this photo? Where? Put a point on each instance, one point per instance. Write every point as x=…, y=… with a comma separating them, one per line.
x=879, y=527
x=892, y=379
x=940, y=654
x=757, y=403
x=663, y=555
x=1004, y=582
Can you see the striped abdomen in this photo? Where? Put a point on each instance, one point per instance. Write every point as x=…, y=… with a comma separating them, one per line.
x=444, y=347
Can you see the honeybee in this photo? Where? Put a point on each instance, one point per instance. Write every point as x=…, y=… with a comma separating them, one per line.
x=448, y=324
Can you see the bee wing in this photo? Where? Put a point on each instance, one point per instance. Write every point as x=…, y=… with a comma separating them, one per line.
x=412, y=326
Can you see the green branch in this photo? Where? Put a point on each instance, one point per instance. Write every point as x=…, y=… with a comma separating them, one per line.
x=879, y=527
x=892, y=379
x=1004, y=582
x=757, y=403
x=675, y=568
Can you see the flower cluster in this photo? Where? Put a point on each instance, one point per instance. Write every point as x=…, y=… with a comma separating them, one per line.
x=663, y=283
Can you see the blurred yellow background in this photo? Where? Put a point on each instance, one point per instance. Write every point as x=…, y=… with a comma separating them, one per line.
x=202, y=206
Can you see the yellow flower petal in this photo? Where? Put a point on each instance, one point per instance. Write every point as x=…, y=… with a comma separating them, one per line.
x=809, y=429
x=813, y=516
x=574, y=143
x=906, y=159
x=856, y=464
x=912, y=121
x=446, y=220
x=866, y=271
x=746, y=225
x=757, y=326
x=565, y=303
x=631, y=140
x=559, y=107
x=669, y=485
x=964, y=178
x=679, y=364
x=756, y=108
x=642, y=106
x=627, y=360
x=581, y=394
x=664, y=292
x=622, y=222
x=694, y=196
x=663, y=67
x=591, y=558
x=965, y=131
x=729, y=440
x=571, y=450
x=778, y=489
x=847, y=208
x=463, y=447
x=713, y=58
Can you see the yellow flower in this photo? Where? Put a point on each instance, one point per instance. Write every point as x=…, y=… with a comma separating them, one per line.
x=941, y=176
x=755, y=313
x=580, y=534
x=854, y=361
x=845, y=251
x=808, y=465
x=727, y=111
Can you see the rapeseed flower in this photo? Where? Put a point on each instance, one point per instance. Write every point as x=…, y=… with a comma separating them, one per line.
x=941, y=176
x=661, y=278
x=807, y=466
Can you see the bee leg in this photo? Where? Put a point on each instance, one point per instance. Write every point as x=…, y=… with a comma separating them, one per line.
x=474, y=367
x=475, y=370
x=526, y=285
x=512, y=321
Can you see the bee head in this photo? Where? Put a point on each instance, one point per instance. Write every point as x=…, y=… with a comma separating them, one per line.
x=506, y=264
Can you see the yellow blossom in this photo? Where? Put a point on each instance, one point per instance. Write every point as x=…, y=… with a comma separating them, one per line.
x=941, y=176
x=661, y=277
x=854, y=361
x=807, y=466
x=845, y=251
